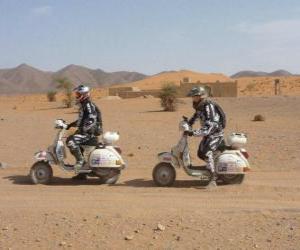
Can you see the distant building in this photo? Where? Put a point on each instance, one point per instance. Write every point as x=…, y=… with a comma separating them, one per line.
x=215, y=89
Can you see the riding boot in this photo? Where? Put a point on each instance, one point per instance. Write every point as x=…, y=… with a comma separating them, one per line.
x=79, y=159
x=211, y=167
x=213, y=181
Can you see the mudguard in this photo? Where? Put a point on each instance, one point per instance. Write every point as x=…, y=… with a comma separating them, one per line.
x=165, y=157
x=168, y=158
x=45, y=156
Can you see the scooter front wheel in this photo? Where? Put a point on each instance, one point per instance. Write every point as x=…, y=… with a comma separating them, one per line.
x=164, y=174
x=41, y=173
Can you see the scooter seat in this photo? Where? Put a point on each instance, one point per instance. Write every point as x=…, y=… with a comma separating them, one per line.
x=197, y=167
x=100, y=145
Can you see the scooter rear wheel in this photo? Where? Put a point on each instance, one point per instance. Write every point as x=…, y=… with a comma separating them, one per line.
x=107, y=176
x=232, y=178
x=41, y=173
x=164, y=174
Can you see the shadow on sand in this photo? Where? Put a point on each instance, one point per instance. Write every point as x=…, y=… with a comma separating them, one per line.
x=153, y=111
x=142, y=183
x=136, y=183
x=56, y=181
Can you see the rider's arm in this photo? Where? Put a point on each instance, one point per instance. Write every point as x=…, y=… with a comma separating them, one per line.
x=193, y=119
x=208, y=124
x=72, y=124
x=99, y=116
x=80, y=118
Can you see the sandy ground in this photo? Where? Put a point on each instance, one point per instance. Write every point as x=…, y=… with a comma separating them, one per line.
x=264, y=86
x=262, y=213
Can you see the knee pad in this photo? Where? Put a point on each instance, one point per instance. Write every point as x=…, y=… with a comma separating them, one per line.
x=209, y=154
x=71, y=144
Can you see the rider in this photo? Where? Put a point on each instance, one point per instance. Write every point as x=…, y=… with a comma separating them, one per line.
x=89, y=124
x=211, y=127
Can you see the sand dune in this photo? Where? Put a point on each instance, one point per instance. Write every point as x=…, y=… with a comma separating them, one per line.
x=157, y=81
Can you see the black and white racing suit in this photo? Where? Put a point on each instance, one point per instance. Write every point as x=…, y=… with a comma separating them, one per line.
x=211, y=130
x=89, y=125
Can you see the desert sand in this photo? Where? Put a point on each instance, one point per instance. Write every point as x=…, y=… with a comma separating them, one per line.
x=264, y=86
x=262, y=213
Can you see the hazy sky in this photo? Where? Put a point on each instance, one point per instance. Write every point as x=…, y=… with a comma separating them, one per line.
x=152, y=36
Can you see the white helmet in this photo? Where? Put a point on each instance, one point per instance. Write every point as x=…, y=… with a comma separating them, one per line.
x=82, y=92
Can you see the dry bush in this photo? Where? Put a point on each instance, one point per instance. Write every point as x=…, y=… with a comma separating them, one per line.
x=51, y=96
x=168, y=97
x=259, y=118
x=66, y=86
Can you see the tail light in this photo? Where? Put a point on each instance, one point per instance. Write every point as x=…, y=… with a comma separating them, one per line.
x=247, y=169
x=244, y=153
x=118, y=149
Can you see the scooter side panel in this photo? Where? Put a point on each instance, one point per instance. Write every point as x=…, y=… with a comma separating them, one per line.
x=106, y=158
x=231, y=162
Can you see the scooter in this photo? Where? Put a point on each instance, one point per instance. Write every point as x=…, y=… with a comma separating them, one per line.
x=102, y=160
x=231, y=161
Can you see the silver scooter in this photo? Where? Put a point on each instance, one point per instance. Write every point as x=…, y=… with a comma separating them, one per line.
x=102, y=160
x=230, y=161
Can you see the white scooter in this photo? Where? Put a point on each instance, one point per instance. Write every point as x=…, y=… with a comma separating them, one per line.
x=230, y=161
x=103, y=159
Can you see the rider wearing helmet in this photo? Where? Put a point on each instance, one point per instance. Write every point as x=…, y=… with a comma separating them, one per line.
x=211, y=127
x=89, y=124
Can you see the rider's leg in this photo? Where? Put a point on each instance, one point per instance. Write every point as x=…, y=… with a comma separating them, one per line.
x=206, y=149
x=73, y=142
x=202, y=149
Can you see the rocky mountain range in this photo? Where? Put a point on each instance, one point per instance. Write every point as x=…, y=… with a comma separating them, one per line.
x=27, y=79
x=249, y=73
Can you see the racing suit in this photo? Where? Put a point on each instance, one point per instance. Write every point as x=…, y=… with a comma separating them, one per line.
x=89, y=126
x=211, y=130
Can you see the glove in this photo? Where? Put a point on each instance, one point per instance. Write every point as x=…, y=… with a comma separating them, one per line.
x=70, y=126
x=189, y=133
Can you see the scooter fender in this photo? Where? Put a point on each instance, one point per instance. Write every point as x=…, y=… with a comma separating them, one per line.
x=168, y=158
x=45, y=156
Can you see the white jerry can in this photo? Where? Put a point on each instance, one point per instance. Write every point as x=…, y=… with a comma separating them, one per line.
x=230, y=163
x=105, y=158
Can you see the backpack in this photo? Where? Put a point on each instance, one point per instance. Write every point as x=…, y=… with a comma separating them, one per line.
x=220, y=112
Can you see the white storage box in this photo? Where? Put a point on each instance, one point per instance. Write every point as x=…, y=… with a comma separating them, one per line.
x=237, y=140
